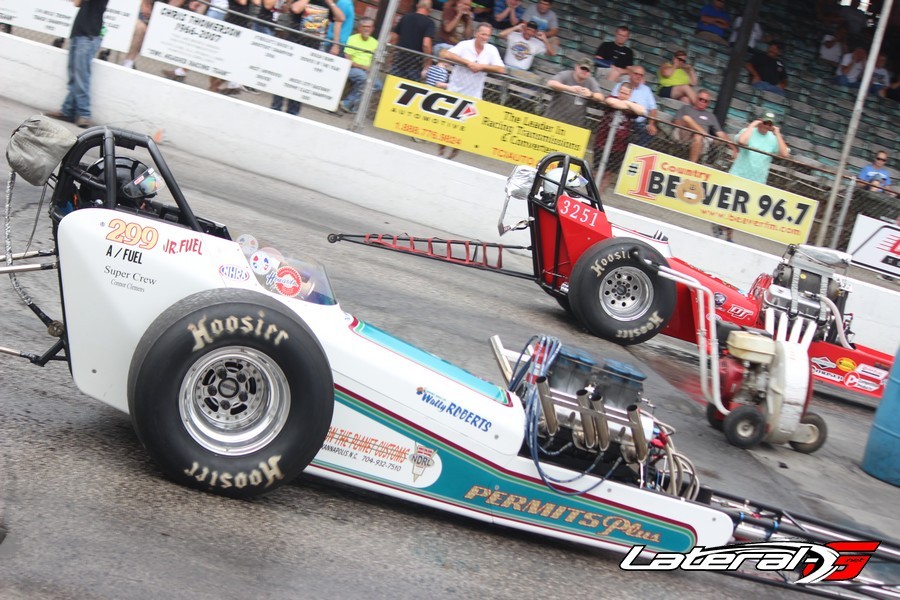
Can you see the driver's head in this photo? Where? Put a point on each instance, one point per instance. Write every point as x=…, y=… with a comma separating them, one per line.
x=135, y=182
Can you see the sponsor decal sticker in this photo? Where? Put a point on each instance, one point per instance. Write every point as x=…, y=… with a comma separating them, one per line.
x=249, y=245
x=873, y=372
x=846, y=364
x=194, y=245
x=421, y=459
x=854, y=380
x=261, y=263
x=286, y=281
x=818, y=563
x=739, y=312
x=604, y=525
x=454, y=410
x=823, y=362
x=827, y=375
x=234, y=272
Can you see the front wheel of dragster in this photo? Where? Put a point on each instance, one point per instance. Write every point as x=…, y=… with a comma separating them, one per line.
x=230, y=393
x=820, y=432
x=617, y=296
x=744, y=426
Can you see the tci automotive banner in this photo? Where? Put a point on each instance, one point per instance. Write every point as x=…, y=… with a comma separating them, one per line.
x=55, y=17
x=715, y=196
x=476, y=126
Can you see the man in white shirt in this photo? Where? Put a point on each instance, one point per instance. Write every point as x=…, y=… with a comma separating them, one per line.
x=474, y=59
x=524, y=42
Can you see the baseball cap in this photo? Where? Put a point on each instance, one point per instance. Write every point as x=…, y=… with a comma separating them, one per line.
x=768, y=117
x=532, y=25
x=586, y=63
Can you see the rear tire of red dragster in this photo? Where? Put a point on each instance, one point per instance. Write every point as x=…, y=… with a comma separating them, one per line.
x=230, y=393
x=617, y=296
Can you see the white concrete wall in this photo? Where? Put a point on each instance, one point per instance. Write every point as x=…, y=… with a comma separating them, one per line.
x=403, y=182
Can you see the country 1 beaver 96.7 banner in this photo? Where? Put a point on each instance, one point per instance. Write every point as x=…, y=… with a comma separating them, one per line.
x=473, y=125
x=715, y=196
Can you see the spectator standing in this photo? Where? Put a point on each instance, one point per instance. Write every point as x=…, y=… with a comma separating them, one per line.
x=340, y=30
x=474, y=59
x=507, y=13
x=834, y=46
x=627, y=111
x=677, y=79
x=696, y=117
x=483, y=11
x=321, y=19
x=874, y=176
x=574, y=87
x=762, y=135
x=524, y=42
x=756, y=33
x=360, y=50
x=855, y=20
x=767, y=70
x=87, y=30
x=543, y=15
x=414, y=31
x=644, y=126
x=851, y=68
x=615, y=55
x=456, y=24
x=714, y=23
x=137, y=38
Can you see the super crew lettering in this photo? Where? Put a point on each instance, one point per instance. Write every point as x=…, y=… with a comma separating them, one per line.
x=248, y=325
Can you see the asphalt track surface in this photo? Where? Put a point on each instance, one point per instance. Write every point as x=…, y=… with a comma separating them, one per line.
x=86, y=514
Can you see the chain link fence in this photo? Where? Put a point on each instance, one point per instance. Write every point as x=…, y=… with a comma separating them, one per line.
x=611, y=130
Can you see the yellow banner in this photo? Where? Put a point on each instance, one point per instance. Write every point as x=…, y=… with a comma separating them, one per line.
x=715, y=196
x=476, y=126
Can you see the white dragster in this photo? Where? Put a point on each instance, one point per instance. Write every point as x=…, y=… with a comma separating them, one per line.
x=239, y=370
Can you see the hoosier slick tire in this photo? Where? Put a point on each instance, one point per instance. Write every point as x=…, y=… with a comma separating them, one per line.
x=617, y=296
x=230, y=393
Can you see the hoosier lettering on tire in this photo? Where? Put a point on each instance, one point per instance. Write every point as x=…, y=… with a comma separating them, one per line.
x=617, y=296
x=230, y=393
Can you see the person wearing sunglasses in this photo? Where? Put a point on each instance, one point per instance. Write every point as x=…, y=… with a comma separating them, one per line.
x=698, y=123
x=574, y=88
x=677, y=79
x=874, y=176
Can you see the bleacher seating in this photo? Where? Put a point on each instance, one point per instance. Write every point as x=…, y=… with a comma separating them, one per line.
x=815, y=112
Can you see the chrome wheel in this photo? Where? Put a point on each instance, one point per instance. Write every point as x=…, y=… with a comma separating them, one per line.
x=234, y=400
x=626, y=293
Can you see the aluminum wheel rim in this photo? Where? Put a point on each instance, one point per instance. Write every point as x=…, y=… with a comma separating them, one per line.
x=234, y=400
x=626, y=293
x=745, y=429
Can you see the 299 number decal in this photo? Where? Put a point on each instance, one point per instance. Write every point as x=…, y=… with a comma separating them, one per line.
x=132, y=234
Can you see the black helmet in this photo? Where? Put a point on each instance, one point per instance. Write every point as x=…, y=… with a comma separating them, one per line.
x=135, y=181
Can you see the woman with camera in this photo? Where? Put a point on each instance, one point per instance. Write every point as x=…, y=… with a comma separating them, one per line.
x=677, y=79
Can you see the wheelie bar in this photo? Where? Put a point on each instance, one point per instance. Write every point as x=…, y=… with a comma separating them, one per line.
x=487, y=256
